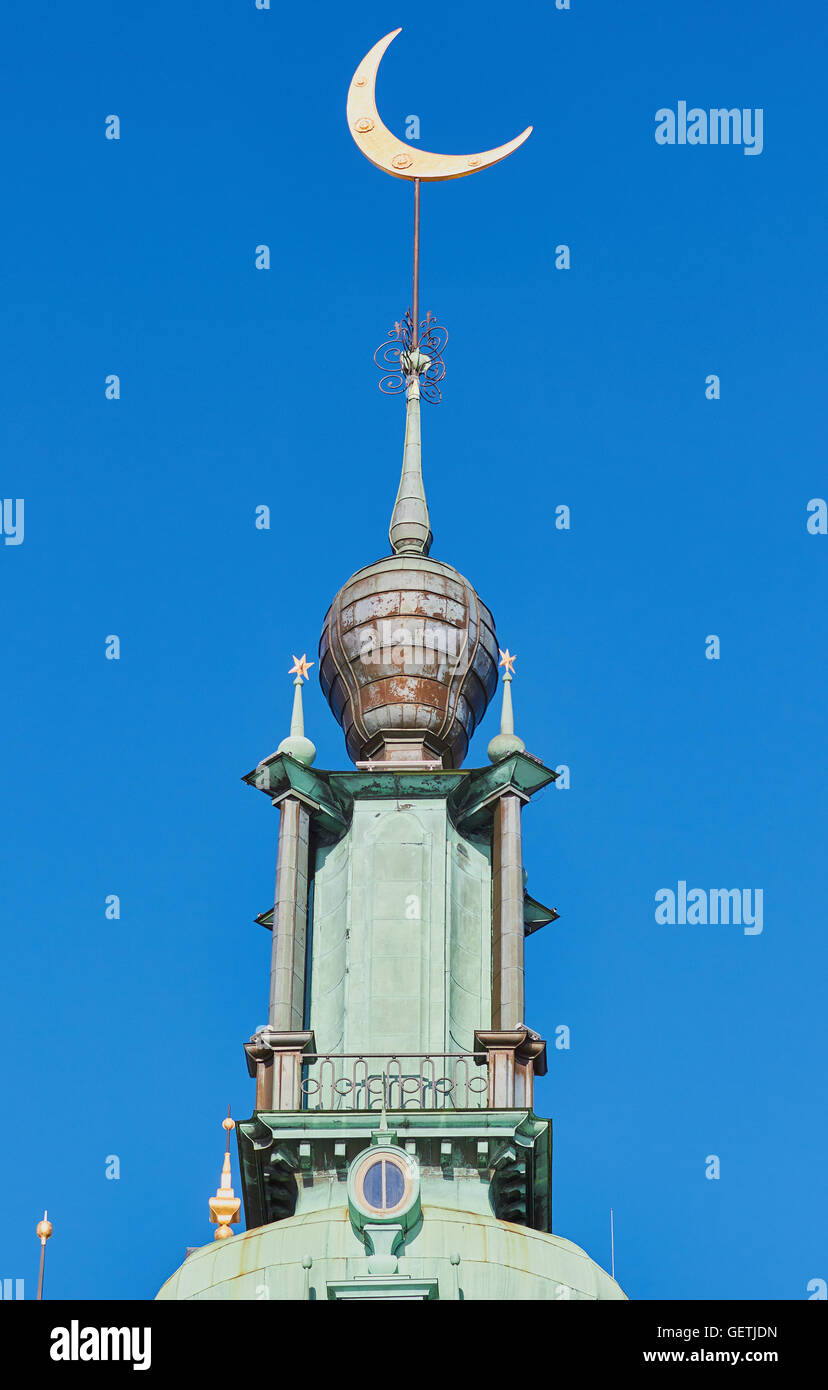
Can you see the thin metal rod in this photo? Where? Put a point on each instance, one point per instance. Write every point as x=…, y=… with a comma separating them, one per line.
x=42, y=1263
x=612, y=1242
x=415, y=308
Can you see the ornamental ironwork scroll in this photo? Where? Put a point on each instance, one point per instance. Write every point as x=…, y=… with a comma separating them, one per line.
x=395, y=358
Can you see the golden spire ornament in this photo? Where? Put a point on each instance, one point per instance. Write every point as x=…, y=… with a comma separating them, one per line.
x=43, y=1229
x=225, y=1206
x=301, y=667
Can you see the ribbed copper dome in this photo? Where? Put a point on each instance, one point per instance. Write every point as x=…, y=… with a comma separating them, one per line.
x=408, y=661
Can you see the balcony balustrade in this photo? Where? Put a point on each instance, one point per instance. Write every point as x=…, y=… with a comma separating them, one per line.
x=291, y=1075
x=400, y=1081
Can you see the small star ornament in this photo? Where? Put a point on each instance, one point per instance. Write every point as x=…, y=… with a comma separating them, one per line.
x=300, y=667
x=507, y=662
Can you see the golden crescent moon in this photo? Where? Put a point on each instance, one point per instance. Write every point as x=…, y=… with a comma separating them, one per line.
x=395, y=156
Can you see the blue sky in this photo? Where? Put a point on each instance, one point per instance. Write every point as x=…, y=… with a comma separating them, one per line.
x=583, y=387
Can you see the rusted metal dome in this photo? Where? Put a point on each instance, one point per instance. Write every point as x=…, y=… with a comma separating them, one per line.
x=408, y=661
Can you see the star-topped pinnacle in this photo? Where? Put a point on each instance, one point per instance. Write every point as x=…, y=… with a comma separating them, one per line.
x=296, y=745
x=301, y=667
x=506, y=741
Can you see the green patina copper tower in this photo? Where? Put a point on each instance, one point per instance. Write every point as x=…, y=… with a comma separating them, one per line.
x=394, y=1151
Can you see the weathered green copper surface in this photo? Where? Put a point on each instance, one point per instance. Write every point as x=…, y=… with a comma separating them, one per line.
x=499, y=1261
x=410, y=530
x=468, y=949
x=280, y=774
x=535, y=915
x=434, y=782
x=493, y=1161
x=470, y=802
x=401, y=958
x=468, y=791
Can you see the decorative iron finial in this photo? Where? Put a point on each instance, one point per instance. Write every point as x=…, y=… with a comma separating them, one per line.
x=225, y=1206
x=404, y=361
x=506, y=741
x=43, y=1229
x=296, y=744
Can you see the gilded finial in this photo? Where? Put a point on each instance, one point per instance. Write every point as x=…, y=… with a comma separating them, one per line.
x=296, y=744
x=43, y=1229
x=506, y=741
x=225, y=1206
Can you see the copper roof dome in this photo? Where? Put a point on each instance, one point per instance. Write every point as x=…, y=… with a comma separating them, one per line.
x=408, y=661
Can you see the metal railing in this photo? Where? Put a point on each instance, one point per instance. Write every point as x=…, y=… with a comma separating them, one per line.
x=402, y=1081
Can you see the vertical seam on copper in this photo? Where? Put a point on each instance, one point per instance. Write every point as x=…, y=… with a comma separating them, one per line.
x=354, y=694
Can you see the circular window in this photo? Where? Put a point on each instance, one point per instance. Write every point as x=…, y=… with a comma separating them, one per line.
x=383, y=1183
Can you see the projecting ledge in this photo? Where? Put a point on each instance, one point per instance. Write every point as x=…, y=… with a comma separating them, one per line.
x=281, y=776
x=520, y=774
x=287, y=1158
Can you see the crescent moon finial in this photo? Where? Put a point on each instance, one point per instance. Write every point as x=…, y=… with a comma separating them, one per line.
x=395, y=157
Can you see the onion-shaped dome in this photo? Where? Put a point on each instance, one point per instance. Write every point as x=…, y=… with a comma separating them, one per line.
x=408, y=661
